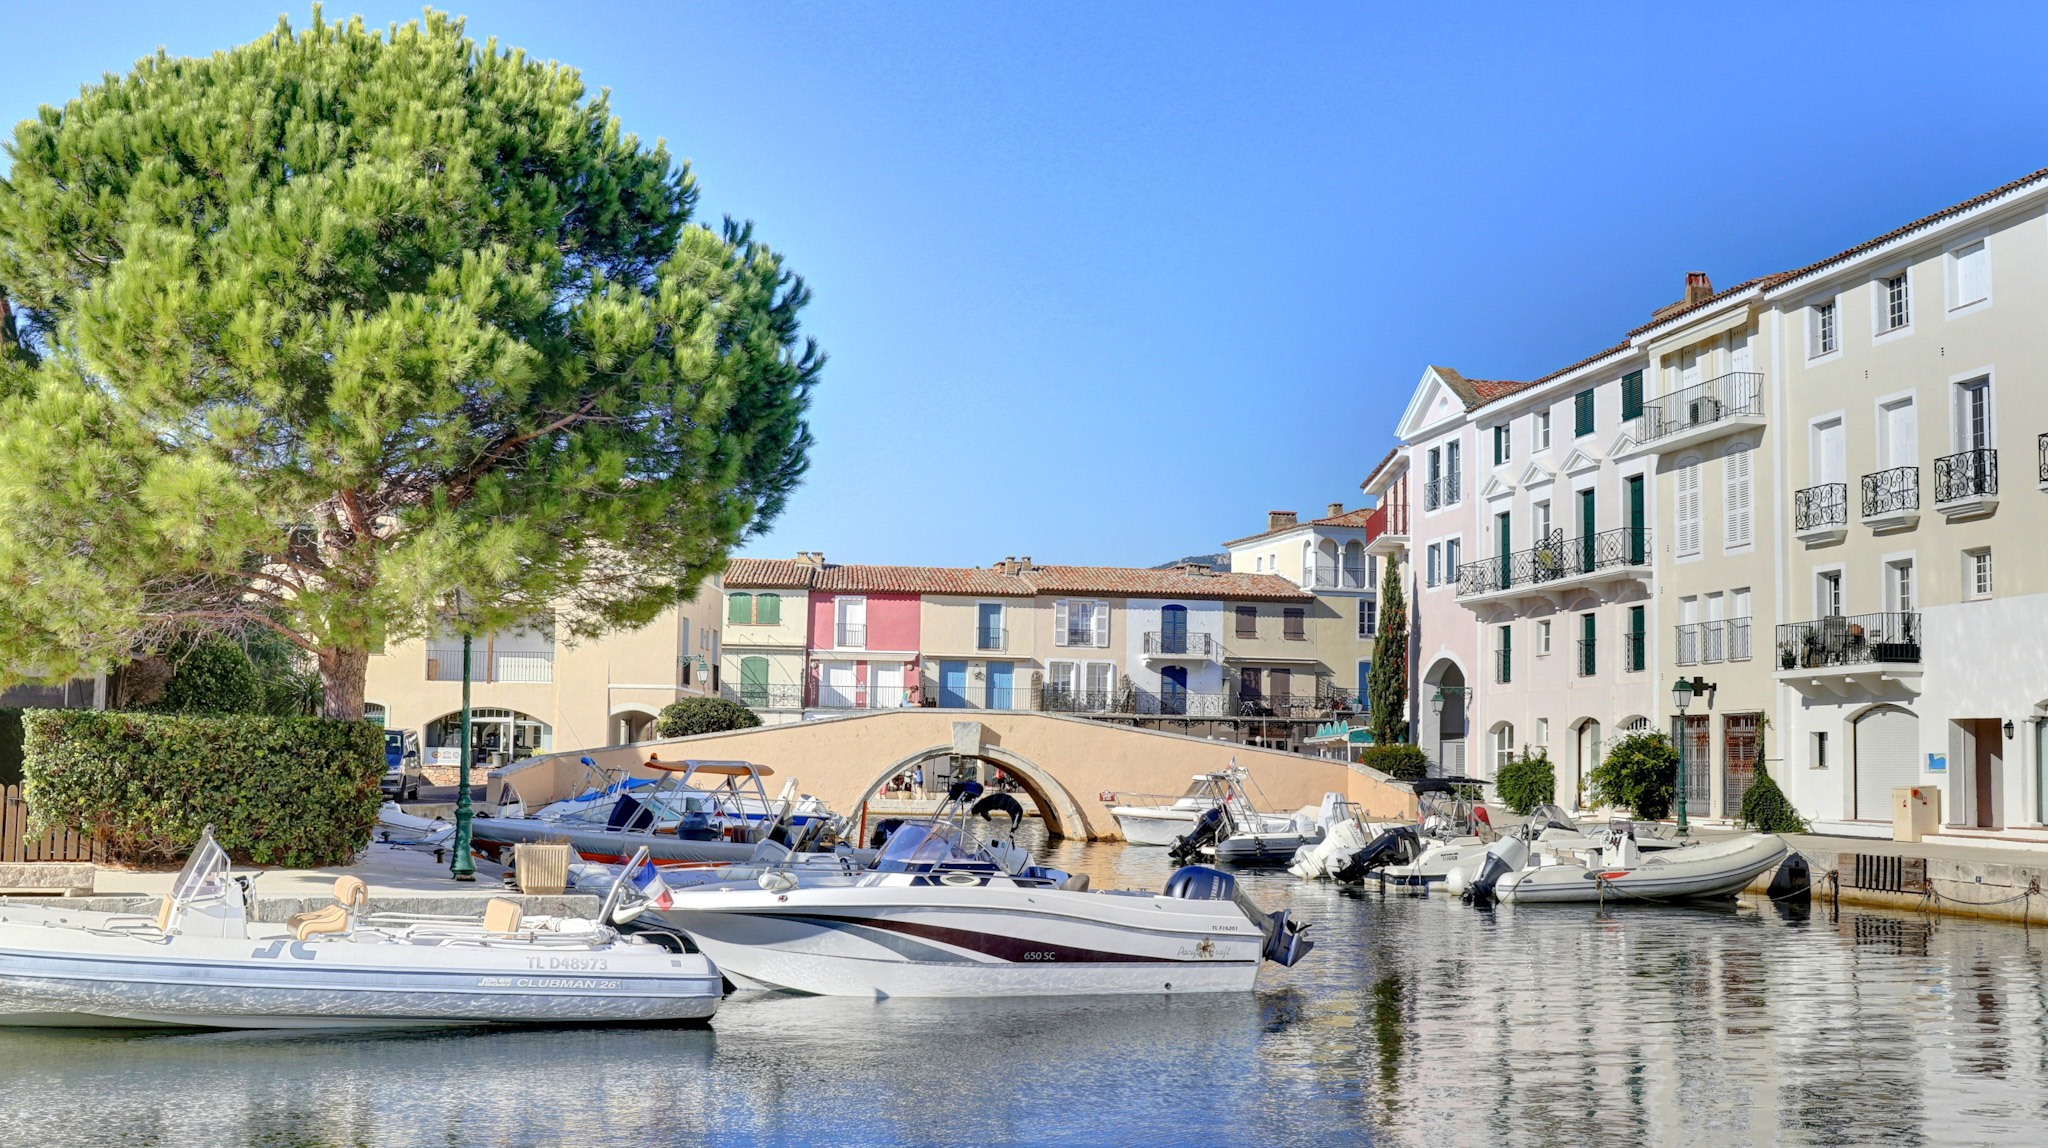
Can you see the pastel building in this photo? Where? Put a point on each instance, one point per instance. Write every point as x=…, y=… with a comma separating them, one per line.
x=1327, y=639
x=1445, y=653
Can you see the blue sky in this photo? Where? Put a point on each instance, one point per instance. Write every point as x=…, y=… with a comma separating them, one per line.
x=1104, y=283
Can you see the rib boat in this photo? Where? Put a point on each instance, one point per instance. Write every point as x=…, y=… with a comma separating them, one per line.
x=937, y=917
x=200, y=962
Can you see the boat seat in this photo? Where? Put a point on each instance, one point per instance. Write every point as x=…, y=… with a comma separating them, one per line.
x=501, y=916
x=1075, y=883
x=350, y=895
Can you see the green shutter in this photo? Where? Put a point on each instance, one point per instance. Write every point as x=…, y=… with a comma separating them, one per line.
x=739, y=609
x=1632, y=394
x=1582, y=410
x=768, y=609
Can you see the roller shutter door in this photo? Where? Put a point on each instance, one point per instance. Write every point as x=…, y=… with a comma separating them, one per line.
x=1887, y=755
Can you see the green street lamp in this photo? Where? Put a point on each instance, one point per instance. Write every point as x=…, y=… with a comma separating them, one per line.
x=1681, y=696
x=462, y=866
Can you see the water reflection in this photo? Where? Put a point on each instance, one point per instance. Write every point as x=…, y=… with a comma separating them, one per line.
x=1416, y=1021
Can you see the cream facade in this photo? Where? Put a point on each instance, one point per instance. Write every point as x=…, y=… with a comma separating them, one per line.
x=531, y=692
x=1326, y=649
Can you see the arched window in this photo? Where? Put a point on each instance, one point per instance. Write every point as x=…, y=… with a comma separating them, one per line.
x=1354, y=566
x=1503, y=746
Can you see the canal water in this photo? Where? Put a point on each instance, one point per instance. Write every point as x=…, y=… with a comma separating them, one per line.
x=1417, y=1020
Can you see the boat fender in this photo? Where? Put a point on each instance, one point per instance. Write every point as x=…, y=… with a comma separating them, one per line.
x=776, y=881
x=1503, y=857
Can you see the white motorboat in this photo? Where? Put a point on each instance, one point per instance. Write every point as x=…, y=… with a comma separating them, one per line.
x=1452, y=830
x=1235, y=833
x=602, y=787
x=1690, y=872
x=1161, y=822
x=933, y=918
x=201, y=962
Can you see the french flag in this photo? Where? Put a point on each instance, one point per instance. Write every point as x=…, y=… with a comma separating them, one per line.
x=648, y=880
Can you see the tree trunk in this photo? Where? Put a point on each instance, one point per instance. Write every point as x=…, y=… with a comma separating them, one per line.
x=342, y=674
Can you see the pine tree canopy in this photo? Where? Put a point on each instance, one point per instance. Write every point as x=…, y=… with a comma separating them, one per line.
x=311, y=332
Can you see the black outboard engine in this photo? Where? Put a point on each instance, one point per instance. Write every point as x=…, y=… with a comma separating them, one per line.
x=996, y=803
x=884, y=829
x=1285, y=943
x=1397, y=846
x=1207, y=828
x=1503, y=857
x=963, y=791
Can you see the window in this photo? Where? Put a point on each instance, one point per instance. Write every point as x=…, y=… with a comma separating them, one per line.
x=1973, y=415
x=1588, y=637
x=989, y=633
x=850, y=623
x=1503, y=747
x=754, y=682
x=1451, y=493
x=1247, y=621
x=1080, y=624
x=754, y=609
x=1820, y=329
x=1365, y=687
x=1638, y=639
x=1977, y=573
x=1690, y=513
x=1368, y=617
x=1632, y=395
x=1259, y=564
x=1434, y=575
x=1504, y=654
x=1738, y=625
x=1737, y=512
x=1542, y=431
x=1582, y=414
x=1897, y=439
x=1433, y=485
x=1452, y=554
x=1969, y=276
x=1828, y=594
x=1898, y=586
x=1820, y=751
x=1898, y=308
x=1501, y=449
x=1539, y=521
x=1543, y=638
x=1294, y=624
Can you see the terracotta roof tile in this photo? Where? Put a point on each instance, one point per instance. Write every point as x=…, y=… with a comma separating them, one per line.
x=1129, y=581
x=920, y=580
x=768, y=574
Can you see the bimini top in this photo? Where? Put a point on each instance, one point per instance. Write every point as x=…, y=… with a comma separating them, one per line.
x=718, y=768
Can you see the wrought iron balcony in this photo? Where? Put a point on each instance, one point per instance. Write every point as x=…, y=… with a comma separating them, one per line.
x=847, y=636
x=1715, y=407
x=489, y=664
x=1327, y=576
x=2041, y=447
x=1689, y=644
x=1738, y=640
x=1182, y=644
x=1891, y=498
x=762, y=696
x=1859, y=639
x=1966, y=483
x=1503, y=666
x=1636, y=647
x=1821, y=512
x=1432, y=494
x=1588, y=647
x=1557, y=561
x=991, y=639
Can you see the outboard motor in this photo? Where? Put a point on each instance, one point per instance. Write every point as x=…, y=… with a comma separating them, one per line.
x=1397, y=846
x=884, y=829
x=998, y=803
x=1503, y=857
x=1285, y=943
x=1207, y=828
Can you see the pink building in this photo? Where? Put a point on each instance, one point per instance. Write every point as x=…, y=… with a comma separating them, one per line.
x=864, y=639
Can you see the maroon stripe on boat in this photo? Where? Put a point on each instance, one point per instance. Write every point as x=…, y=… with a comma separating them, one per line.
x=1005, y=948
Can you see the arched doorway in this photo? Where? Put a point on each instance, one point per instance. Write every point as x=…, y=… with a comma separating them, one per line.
x=1444, y=696
x=632, y=724
x=1586, y=755
x=1886, y=754
x=497, y=736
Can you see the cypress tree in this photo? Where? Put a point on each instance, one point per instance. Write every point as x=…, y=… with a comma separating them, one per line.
x=1388, y=683
x=309, y=333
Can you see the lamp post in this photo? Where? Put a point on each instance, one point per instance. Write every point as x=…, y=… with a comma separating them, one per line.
x=462, y=866
x=1681, y=696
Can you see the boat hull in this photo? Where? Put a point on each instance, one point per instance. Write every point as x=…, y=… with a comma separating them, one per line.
x=69, y=977
x=1262, y=848
x=942, y=942
x=1152, y=826
x=1692, y=873
x=599, y=844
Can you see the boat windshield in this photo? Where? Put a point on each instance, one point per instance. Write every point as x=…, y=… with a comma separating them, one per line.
x=205, y=875
x=1545, y=816
x=917, y=844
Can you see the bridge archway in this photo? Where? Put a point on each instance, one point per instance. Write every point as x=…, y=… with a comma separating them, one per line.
x=1064, y=816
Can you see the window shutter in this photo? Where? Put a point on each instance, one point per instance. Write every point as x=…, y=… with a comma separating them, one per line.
x=1102, y=625
x=1059, y=623
x=1689, y=509
x=1632, y=394
x=1582, y=412
x=1737, y=507
x=739, y=608
x=768, y=609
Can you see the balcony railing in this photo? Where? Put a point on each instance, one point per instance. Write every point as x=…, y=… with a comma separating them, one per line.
x=1503, y=666
x=1178, y=644
x=2041, y=447
x=762, y=696
x=444, y=664
x=1330, y=577
x=1971, y=474
x=1891, y=491
x=1732, y=395
x=1432, y=494
x=1556, y=559
x=1588, y=648
x=1738, y=639
x=1689, y=644
x=867, y=696
x=997, y=640
x=1848, y=641
x=847, y=636
x=1635, y=649
x=1391, y=518
x=1150, y=703
x=1819, y=506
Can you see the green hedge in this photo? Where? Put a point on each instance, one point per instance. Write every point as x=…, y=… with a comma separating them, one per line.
x=693, y=716
x=1398, y=761
x=1527, y=782
x=1766, y=809
x=297, y=792
x=1640, y=773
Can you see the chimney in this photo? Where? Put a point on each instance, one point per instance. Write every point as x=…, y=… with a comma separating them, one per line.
x=1279, y=519
x=812, y=558
x=1336, y=508
x=1697, y=288
x=1023, y=564
x=1008, y=565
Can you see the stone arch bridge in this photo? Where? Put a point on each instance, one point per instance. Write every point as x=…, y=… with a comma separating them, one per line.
x=1063, y=763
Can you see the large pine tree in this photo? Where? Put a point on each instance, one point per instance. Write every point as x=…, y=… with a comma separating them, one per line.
x=314, y=331
x=1388, y=683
